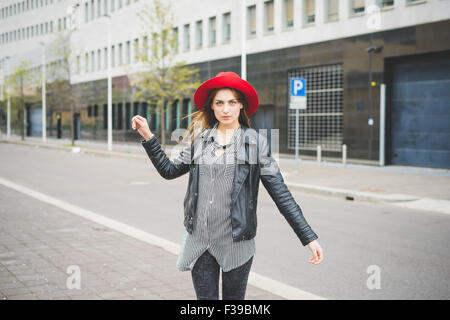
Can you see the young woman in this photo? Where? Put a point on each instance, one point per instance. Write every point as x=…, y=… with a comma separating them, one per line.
x=226, y=160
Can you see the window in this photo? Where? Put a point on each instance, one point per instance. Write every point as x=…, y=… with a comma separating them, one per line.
x=86, y=62
x=251, y=20
x=65, y=23
x=175, y=37
x=199, y=34
x=120, y=54
x=105, y=57
x=226, y=27
x=105, y=9
x=385, y=3
x=288, y=9
x=136, y=50
x=113, y=57
x=99, y=8
x=154, y=45
x=86, y=12
x=113, y=5
x=332, y=7
x=310, y=10
x=92, y=61
x=186, y=38
x=119, y=5
x=145, y=46
x=99, y=59
x=78, y=65
x=92, y=10
x=128, y=52
x=212, y=31
x=268, y=16
x=51, y=26
x=357, y=7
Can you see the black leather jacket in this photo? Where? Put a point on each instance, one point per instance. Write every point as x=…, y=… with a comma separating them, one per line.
x=253, y=164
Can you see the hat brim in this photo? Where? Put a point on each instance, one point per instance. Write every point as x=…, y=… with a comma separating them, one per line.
x=243, y=86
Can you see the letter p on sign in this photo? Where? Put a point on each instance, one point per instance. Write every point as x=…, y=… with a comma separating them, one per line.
x=298, y=87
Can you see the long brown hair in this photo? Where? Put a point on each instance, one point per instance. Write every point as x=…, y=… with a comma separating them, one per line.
x=205, y=118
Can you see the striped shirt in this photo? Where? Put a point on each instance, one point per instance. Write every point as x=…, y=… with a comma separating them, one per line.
x=212, y=229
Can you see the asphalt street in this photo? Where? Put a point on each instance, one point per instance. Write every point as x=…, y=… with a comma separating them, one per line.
x=408, y=247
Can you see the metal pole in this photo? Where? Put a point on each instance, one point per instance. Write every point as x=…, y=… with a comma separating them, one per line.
x=344, y=154
x=109, y=88
x=319, y=155
x=296, y=138
x=8, y=106
x=382, y=123
x=44, y=103
x=243, y=42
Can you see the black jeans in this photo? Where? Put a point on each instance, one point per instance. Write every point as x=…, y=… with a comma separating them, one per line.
x=205, y=276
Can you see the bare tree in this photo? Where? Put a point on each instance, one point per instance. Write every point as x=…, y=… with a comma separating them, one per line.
x=62, y=93
x=164, y=80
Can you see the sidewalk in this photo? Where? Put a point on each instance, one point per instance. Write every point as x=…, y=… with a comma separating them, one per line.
x=41, y=245
x=410, y=187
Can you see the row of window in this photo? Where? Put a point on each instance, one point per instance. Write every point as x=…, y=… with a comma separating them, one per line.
x=212, y=32
x=108, y=6
x=32, y=31
x=123, y=112
x=120, y=55
x=24, y=6
x=331, y=7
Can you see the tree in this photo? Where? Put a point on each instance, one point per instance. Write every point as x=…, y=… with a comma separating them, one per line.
x=164, y=81
x=18, y=82
x=62, y=92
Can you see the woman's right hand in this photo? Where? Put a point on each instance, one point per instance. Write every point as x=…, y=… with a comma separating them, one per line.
x=140, y=123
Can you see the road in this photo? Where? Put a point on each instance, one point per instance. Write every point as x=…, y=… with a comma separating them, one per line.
x=409, y=248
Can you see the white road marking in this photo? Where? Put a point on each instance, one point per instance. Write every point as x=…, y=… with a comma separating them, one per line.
x=257, y=280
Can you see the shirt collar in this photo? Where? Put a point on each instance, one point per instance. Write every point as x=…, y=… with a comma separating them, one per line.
x=213, y=130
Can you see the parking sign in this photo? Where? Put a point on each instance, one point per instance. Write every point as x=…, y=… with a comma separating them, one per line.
x=297, y=93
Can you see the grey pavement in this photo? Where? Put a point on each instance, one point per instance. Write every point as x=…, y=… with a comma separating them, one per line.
x=410, y=187
x=41, y=245
x=353, y=178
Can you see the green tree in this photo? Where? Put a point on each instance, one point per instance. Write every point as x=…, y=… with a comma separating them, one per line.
x=163, y=80
x=19, y=85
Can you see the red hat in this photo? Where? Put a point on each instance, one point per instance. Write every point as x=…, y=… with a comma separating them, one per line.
x=227, y=79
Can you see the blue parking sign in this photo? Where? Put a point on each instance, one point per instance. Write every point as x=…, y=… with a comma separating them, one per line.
x=298, y=87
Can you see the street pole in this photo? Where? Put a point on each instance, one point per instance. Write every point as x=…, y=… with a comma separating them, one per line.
x=296, y=139
x=44, y=104
x=109, y=86
x=382, y=123
x=243, y=42
x=8, y=106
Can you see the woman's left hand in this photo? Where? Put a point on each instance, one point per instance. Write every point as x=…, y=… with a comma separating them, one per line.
x=317, y=252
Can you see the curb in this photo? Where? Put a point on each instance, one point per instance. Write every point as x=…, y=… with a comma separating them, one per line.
x=400, y=200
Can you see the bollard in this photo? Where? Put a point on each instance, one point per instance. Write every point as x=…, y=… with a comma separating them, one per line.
x=344, y=154
x=319, y=155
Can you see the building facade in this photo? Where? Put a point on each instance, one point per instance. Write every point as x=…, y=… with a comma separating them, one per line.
x=346, y=50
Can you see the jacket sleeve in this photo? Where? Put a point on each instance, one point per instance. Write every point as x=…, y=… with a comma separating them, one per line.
x=273, y=182
x=166, y=168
